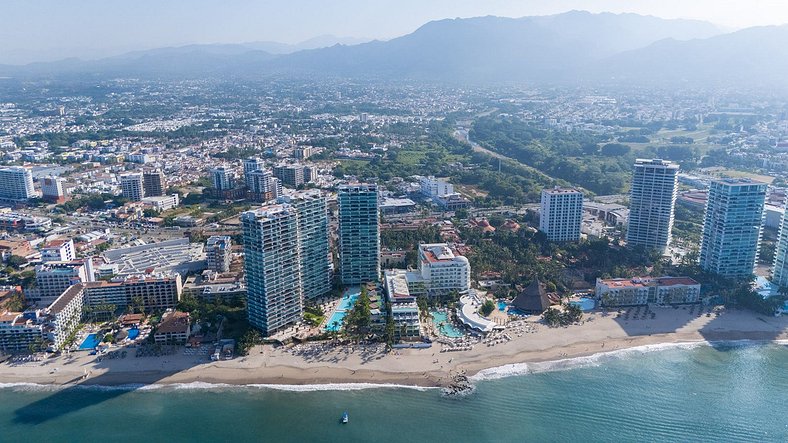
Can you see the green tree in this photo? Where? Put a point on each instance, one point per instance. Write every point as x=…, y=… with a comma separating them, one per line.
x=487, y=308
x=16, y=261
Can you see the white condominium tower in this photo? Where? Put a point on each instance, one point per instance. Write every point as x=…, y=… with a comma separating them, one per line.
x=132, y=186
x=359, y=233
x=780, y=272
x=222, y=178
x=273, y=271
x=250, y=165
x=732, y=227
x=16, y=184
x=561, y=214
x=652, y=203
x=314, y=253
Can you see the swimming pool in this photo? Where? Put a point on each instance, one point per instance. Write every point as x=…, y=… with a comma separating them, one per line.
x=133, y=333
x=441, y=321
x=335, y=322
x=347, y=301
x=502, y=306
x=585, y=303
x=90, y=342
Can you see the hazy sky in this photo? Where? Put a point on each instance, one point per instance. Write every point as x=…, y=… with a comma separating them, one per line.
x=33, y=30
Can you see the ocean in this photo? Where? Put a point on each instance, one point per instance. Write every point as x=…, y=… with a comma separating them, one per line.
x=730, y=392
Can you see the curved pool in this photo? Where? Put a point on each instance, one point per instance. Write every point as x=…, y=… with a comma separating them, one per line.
x=585, y=303
x=442, y=322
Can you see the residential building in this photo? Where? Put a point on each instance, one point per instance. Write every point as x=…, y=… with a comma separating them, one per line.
x=404, y=309
x=210, y=285
x=162, y=202
x=290, y=175
x=303, y=152
x=561, y=214
x=217, y=251
x=314, y=252
x=18, y=331
x=732, y=227
x=132, y=186
x=443, y=270
x=52, y=190
x=251, y=165
x=137, y=157
x=652, y=204
x=151, y=293
x=273, y=269
x=61, y=250
x=54, y=278
x=263, y=186
x=780, y=270
x=222, y=179
x=65, y=314
x=310, y=174
x=435, y=187
x=154, y=183
x=644, y=290
x=16, y=184
x=359, y=233
x=175, y=327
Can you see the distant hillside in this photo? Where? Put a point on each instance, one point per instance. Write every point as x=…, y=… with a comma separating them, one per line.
x=749, y=57
x=570, y=47
x=497, y=49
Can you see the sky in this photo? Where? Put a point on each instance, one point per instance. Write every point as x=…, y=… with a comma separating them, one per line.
x=41, y=30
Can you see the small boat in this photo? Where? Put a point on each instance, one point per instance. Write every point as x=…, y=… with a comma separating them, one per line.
x=344, y=417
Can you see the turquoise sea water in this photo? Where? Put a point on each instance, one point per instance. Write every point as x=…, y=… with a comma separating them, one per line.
x=727, y=393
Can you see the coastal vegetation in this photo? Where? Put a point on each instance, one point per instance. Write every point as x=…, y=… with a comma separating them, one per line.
x=569, y=315
x=358, y=321
x=437, y=152
x=487, y=307
x=520, y=256
x=570, y=156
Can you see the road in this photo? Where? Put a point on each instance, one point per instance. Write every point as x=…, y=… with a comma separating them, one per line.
x=461, y=134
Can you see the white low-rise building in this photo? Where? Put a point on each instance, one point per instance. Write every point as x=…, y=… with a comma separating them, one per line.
x=162, y=202
x=443, y=270
x=644, y=290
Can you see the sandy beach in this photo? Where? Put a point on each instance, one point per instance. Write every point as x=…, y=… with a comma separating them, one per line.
x=325, y=364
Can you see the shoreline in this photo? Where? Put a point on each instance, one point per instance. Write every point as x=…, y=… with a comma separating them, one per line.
x=333, y=378
x=531, y=348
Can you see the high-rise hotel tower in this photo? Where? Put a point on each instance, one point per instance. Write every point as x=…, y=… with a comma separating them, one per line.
x=652, y=203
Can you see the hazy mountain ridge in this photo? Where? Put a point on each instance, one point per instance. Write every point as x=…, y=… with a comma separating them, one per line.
x=569, y=47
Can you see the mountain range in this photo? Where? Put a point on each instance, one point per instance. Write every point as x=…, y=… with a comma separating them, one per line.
x=576, y=46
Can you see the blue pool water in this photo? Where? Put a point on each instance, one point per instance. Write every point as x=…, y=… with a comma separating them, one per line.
x=586, y=304
x=441, y=320
x=90, y=342
x=337, y=317
x=502, y=306
x=347, y=302
x=134, y=333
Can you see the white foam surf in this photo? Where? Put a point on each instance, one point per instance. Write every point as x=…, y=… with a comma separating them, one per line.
x=511, y=370
x=212, y=386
